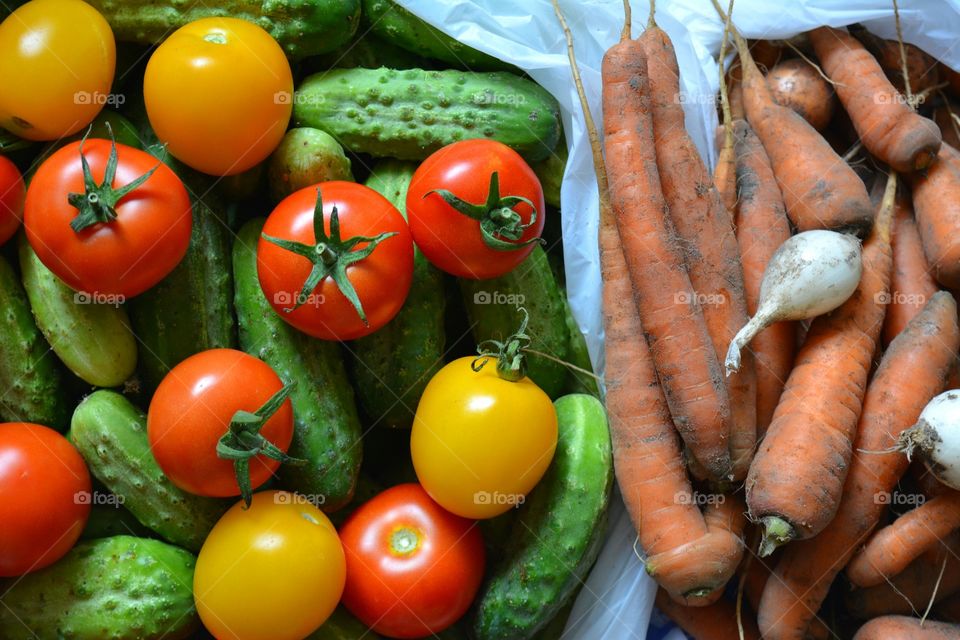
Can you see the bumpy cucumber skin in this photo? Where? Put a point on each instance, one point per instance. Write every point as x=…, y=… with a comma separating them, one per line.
x=409, y=114
x=561, y=525
x=93, y=340
x=29, y=375
x=190, y=310
x=119, y=588
x=111, y=435
x=326, y=427
x=305, y=157
x=492, y=306
x=392, y=367
x=395, y=24
x=302, y=27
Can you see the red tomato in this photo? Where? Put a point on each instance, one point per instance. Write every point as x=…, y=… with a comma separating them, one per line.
x=413, y=568
x=44, y=497
x=381, y=280
x=12, y=193
x=453, y=241
x=193, y=408
x=121, y=257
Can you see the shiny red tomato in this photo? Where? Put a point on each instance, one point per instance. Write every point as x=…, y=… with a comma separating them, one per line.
x=194, y=408
x=292, y=248
x=44, y=497
x=497, y=235
x=12, y=193
x=413, y=568
x=127, y=248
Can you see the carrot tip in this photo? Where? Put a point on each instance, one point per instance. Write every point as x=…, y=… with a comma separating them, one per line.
x=776, y=531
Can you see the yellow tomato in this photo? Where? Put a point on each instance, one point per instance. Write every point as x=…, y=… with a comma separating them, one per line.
x=274, y=571
x=219, y=92
x=57, y=59
x=481, y=443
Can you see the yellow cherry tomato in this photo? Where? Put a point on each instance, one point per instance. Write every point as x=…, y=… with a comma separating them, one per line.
x=274, y=571
x=219, y=92
x=57, y=59
x=481, y=443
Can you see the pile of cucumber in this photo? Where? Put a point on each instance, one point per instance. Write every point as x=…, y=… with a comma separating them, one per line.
x=365, y=108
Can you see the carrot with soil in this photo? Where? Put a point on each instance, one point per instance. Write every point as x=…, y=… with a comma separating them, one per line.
x=819, y=189
x=904, y=628
x=796, y=84
x=715, y=622
x=911, y=284
x=936, y=204
x=705, y=231
x=888, y=127
x=912, y=371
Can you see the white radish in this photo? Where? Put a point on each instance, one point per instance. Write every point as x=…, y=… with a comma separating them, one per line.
x=936, y=436
x=810, y=274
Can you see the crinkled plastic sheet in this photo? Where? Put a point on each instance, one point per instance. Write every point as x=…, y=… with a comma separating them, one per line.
x=616, y=600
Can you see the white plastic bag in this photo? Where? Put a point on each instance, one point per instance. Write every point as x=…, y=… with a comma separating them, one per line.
x=617, y=598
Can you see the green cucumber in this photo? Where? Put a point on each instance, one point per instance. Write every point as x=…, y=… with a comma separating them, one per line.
x=305, y=157
x=108, y=520
x=395, y=24
x=326, y=427
x=30, y=377
x=409, y=114
x=111, y=435
x=92, y=338
x=559, y=531
x=302, y=27
x=550, y=173
x=392, y=367
x=119, y=587
x=191, y=309
x=493, y=307
x=578, y=355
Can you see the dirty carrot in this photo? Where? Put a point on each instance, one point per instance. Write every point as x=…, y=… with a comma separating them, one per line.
x=762, y=227
x=819, y=190
x=796, y=84
x=905, y=628
x=888, y=127
x=912, y=371
x=717, y=621
x=936, y=204
x=911, y=284
x=797, y=476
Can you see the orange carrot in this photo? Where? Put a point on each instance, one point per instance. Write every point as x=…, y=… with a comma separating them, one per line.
x=672, y=318
x=717, y=621
x=819, y=189
x=796, y=84
x=911, y=373
x=762, y=227
x=922, y=69
x=725, y=173
x=888, y=127
x=689, y=559
x=911, y=284
x=891, y=549
x=904, y=628
x=705, y=231
x=936, y=204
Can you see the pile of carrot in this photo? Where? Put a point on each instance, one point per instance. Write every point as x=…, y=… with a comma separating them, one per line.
x=781, y=480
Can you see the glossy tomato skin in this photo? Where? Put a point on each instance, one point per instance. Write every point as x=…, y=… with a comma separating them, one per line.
x=192, y=408
x=481, y=443
x=413, y=568
x=382, y=280
x=57, y=59
x=452, y=240
x=274, y=571
x=44, y=497
x=219, y=92
x=12, y=193
x=125, y=256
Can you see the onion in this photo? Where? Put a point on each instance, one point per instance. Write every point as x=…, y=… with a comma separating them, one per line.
x=810, y=274
x=936, y=436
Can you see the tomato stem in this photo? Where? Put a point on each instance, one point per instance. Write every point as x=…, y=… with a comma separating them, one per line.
x=404, y=541
x=330, y=256
x=243, y=440
x=510, y=353
x=97, y=204
x=500, y=226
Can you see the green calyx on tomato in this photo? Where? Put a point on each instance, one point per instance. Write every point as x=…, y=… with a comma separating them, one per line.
x=404, y=541
x=243, y=441
x=330, y=256
x=97, y=203
x=497, y=218
x=510, y=353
